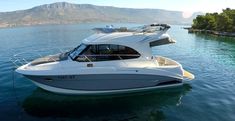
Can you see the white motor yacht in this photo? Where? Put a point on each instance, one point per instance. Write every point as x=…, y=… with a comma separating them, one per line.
x=113, y=60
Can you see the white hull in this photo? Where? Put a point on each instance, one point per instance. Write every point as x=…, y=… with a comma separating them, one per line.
x=82, y=92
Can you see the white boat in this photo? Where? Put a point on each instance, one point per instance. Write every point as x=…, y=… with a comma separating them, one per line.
x=113, y=60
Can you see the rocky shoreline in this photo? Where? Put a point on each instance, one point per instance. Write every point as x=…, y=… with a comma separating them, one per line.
x=218, y=33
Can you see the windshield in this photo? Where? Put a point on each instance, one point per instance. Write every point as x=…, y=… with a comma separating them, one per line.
x=76, y=51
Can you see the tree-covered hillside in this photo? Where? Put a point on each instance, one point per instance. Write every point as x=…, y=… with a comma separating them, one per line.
x=222, y=22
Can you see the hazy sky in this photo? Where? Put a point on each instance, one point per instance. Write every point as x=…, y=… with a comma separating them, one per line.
x=188, y=6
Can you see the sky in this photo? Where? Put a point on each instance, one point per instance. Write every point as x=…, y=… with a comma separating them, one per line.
x=187, y=6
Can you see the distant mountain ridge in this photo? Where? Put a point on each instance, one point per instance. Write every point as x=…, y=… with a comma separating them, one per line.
x=67, y=13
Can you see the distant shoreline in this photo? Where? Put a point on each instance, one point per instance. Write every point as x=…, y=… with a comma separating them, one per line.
x=54, y=24
x=49, y=24
x=212, y=32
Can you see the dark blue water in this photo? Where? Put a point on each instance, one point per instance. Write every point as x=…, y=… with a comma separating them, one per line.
x=211, y=96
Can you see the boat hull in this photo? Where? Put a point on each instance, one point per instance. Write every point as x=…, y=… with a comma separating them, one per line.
x=104, y=83
x=105, y=92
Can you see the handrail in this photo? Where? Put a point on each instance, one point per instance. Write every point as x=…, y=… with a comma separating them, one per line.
x=23, y=58
x=151, y=28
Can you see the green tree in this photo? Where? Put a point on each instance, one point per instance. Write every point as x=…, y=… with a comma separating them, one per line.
x=231, y=15
x=224, y=23
x=210, y=22
x=199, y=23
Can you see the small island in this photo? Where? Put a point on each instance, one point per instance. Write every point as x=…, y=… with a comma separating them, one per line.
x=221, y=24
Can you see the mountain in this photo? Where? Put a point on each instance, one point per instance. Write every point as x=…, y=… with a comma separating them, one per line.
x=67, y=13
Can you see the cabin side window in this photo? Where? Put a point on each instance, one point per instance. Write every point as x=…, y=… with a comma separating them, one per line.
x=107, y=52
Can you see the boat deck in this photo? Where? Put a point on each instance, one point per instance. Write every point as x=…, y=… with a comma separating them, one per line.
x=163, y=61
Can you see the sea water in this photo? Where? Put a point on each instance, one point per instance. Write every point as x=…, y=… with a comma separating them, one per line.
x=209, y=97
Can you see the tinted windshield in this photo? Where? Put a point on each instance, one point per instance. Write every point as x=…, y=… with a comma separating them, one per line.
x=75, y=52
x=106, y=52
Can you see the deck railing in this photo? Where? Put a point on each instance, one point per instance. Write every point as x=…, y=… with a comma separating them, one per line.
x=23, y=58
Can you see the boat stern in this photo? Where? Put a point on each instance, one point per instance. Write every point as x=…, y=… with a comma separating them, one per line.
x=187, y=75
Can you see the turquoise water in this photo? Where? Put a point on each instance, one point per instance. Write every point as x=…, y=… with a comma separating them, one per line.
x=211, y=96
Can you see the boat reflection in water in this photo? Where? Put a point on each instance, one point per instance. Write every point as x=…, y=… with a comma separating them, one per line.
x=138, y=106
